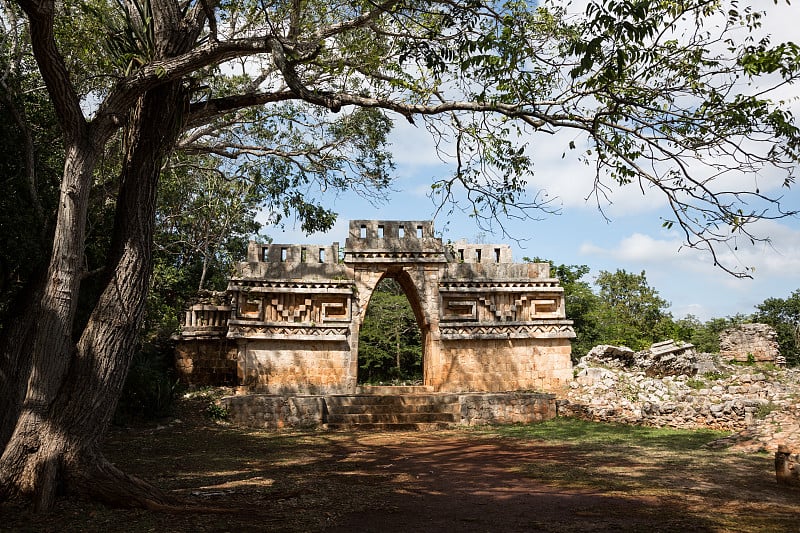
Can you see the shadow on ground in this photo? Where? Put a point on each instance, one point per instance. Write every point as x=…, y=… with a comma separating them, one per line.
x=465, y=481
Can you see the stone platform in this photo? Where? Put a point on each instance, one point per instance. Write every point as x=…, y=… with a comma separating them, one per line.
x=385, y=409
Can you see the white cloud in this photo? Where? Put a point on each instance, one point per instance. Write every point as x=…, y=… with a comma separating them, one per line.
x=413, y=146
x=689, y=280
x=778, y=258
x=562, y=174
x=638, y=248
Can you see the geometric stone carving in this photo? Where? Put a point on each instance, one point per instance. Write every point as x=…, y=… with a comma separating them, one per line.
x=488, y=324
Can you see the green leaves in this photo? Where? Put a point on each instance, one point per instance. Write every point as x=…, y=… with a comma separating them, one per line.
x=784, y=315
x=652, y=87
x=130, y=37
x=389, y=342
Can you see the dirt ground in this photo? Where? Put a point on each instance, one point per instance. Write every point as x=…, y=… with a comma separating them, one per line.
x=559, y=477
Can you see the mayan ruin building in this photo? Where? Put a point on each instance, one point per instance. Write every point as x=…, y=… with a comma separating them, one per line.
x=289, y=321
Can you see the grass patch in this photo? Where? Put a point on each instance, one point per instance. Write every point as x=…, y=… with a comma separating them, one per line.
x=593, y=434
x=765, y=409
x=616, y=458
x=713, y=375
x=696, y=384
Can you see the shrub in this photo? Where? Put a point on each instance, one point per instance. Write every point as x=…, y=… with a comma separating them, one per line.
x=149, y=389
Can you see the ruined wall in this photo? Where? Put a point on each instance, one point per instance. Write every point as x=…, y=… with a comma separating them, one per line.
x=206, y=361
x=759, y=402
x=746, y=340
x=202, y=354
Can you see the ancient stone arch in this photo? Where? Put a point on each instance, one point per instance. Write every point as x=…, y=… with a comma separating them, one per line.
x=294, y=313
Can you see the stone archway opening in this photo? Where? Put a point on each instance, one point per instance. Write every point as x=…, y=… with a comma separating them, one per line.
x=391, y=344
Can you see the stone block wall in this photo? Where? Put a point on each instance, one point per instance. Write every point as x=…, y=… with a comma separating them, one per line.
x=296, y=367
x=206, y=362
x=275, y=412
x=506, y=365
x=746, y=340
x=510, y=408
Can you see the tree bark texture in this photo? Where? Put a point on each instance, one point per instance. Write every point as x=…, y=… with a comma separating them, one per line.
x=59, y=393
x=73, y=387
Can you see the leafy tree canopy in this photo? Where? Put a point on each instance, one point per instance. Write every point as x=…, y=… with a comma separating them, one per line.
x=299, y=97
x=784, y=315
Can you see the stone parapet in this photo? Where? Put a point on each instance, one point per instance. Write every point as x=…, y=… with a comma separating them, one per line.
x=292, y=271
x=463, y=252
x=293, y=254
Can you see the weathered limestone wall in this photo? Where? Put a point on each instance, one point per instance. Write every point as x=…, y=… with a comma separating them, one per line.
x=505, y=365
x=206, y=361
x=296, y=367
x=746, y=340
x=275, y=412
x=509, y=408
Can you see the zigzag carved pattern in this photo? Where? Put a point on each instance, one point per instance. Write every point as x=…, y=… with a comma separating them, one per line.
x=489, y=285
x=251, y=331
x=509, y=329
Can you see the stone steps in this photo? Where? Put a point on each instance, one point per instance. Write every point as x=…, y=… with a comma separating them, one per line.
x=376, y=409
x=346, y=400
x=405, y=426
x=389, y=418
x=392, y=412
x=392, y=389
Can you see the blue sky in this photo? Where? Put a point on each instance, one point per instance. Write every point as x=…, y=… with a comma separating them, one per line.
x=633, y=239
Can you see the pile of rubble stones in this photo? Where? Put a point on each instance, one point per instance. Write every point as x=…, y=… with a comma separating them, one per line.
x=671, y=385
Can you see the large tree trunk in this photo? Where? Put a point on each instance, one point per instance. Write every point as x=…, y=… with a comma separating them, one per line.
x=73, y=388
x=64, y=392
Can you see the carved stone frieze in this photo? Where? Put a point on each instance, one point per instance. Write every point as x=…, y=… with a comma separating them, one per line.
x=242, y=330
x=451, y=332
